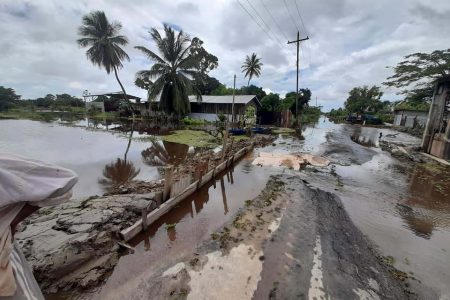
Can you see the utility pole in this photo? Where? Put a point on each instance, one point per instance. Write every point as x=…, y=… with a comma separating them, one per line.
x=232, y=106
x=297, y=41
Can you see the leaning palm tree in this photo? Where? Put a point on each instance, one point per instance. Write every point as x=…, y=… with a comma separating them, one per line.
x=173, y=70
x=252, y=67
x=104, y=42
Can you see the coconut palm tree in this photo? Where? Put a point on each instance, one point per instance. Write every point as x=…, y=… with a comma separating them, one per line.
x=104, y=44
x=252, y=67
x=173, y=70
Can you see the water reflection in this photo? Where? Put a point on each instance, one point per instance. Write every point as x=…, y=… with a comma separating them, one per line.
x=164, y=153
x=427, y=205
x=121, y=171
x=192, y=207
x=118, y=173
x=369, y=140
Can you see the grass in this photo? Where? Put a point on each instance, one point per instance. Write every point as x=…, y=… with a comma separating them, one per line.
x=29, y=115
x=195, y=138
x=105, y=115
x=238, y=138
x=283, y=130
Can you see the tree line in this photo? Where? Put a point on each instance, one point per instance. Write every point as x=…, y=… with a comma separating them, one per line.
x=415, y=76
x=9, y=99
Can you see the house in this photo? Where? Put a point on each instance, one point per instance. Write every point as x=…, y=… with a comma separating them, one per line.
x=107, y=101
x=436, y=137
x=410, y=118
x=210, y=107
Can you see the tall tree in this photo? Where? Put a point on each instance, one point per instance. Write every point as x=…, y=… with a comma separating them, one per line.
x=303, y=100
x=419, y=70
x=252, y=67
x=363, y=98
x=104, y=42
x=270, y=102
x=7, y=98
x=173, y=70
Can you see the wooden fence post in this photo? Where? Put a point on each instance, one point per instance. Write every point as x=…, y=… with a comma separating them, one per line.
x=144, y=219
x=167, y=183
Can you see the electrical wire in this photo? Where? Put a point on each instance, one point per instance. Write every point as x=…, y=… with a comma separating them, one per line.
x=291, y=17
x=264, y=22
x=274, y=20
x=300, y=15
x=257, y=23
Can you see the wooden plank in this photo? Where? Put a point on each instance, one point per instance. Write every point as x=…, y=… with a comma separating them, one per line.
x=130, y=232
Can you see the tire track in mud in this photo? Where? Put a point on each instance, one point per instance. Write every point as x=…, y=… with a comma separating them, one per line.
x=290, y=242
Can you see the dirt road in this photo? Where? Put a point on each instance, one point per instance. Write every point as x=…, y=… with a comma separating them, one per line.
x=334, y=232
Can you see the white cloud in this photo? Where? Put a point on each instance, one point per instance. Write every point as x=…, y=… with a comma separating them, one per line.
x=351, y=41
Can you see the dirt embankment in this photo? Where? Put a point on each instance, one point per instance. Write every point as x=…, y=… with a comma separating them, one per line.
x=292, y=241
x=74, y=245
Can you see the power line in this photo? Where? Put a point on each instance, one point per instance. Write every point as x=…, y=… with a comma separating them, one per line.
x=292, y=18
x=300, y=15
x=274, y=20
x=264, y=22
x=257, y=23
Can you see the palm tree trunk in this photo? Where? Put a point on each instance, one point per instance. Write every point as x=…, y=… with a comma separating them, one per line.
x=129, y=142
x=124, y=93
x=248, y=83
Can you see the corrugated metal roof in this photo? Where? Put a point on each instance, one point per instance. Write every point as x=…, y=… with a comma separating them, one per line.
x=238, y=99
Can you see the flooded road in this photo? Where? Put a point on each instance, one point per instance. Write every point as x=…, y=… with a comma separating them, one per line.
x=100, y=158
x=404, y=208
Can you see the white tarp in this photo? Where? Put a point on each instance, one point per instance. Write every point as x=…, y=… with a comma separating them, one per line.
x=25, y=181
x=290, y=160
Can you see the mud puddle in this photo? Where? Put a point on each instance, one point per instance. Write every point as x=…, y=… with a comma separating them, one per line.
x=179, y=232
x=403, y=207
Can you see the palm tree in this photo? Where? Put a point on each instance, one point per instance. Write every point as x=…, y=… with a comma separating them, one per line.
x=104, y=42
x=252, y=67
x=173, y=70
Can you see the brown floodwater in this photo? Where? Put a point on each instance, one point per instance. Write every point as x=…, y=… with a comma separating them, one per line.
x=185, y=227
x=403, y=207
x=101, y=154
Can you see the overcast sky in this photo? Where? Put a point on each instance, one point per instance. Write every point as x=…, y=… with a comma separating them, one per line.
x=351, y=41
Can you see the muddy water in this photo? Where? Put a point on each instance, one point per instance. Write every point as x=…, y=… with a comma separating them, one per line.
x=99, y=158
x=184, y=228
x=403, y=208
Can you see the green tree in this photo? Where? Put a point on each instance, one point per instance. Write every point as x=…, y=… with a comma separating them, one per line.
x=419, y=71
x=222, y=90
x=205, y=61
x=270, y=102
x=252, y=67
x=206, y=84
x=252, y=90
x=172, y=70
x=104, y=44
x=303, y=99
x=7, y=98
x=363, y=98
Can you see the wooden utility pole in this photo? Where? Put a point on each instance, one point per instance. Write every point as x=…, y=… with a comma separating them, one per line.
x=232, y=106
x=297, y=41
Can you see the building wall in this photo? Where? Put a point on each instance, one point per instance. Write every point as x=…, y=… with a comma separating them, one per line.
x=410, y=118
x=95, y=105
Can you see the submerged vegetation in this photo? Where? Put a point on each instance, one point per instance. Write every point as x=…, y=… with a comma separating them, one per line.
x=195, y=138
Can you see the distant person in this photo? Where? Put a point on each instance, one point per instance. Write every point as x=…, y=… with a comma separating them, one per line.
x=25, y=186
x=381, y=135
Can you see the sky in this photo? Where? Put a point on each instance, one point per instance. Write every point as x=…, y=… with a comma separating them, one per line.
x=352, y=42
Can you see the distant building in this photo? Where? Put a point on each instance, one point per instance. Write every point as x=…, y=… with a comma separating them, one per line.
x=211, y=106
x=108, y=101
x=410, y=118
